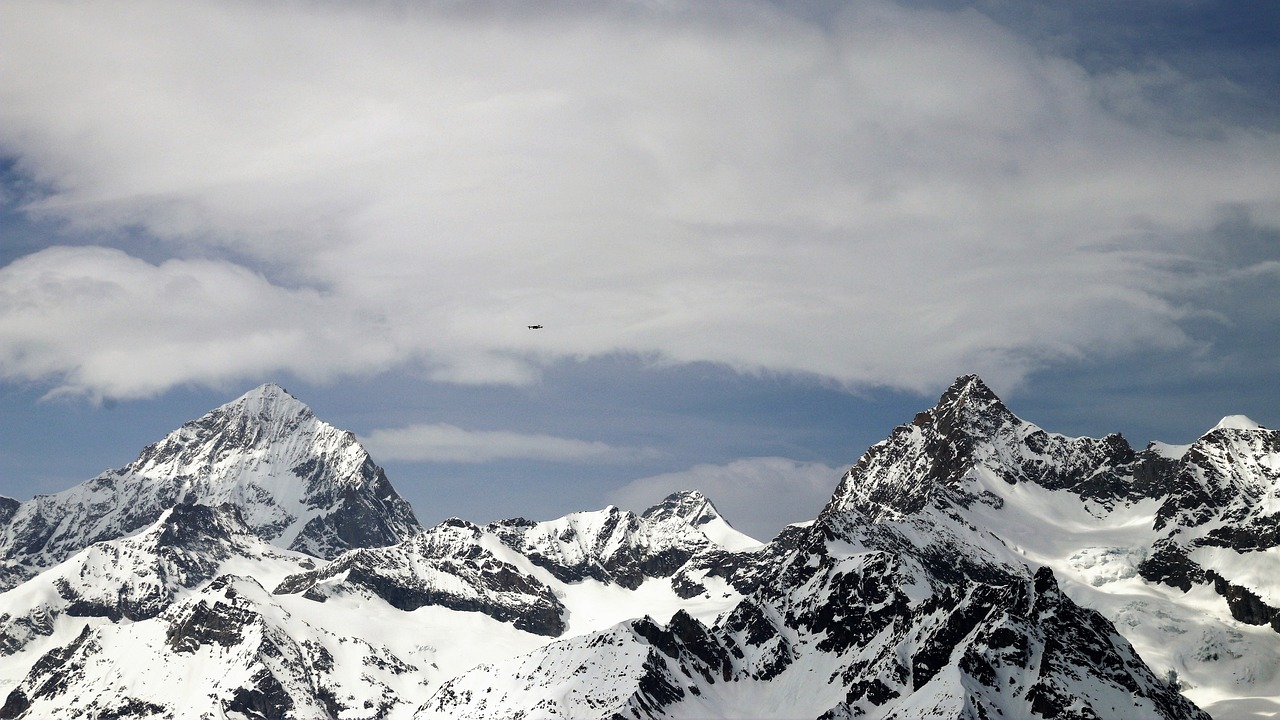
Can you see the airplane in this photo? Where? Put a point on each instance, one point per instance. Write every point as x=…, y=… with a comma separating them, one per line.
x=535, y=327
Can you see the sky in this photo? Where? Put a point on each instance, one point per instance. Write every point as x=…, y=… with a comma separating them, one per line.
x=758, y=235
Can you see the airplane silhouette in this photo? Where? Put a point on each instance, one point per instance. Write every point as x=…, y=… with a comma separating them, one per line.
x=535, y=327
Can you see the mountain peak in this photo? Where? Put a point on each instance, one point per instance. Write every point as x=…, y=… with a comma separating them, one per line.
x=689, y=505
x=1237, y=422
x=967, y=406
x=267, y=390
x=696, y=510
x=299, y=483
x=267, y=401
x=968, y=390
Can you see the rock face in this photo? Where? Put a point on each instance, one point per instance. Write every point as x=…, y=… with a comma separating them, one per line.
x=447, y=566
x=298, y=482
x=184, y=602
x=1225, y=493
x=971, y=565
x=683, y=532
x=1021, y=650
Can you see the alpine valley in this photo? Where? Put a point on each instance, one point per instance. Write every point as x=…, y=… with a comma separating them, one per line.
x=257, y=563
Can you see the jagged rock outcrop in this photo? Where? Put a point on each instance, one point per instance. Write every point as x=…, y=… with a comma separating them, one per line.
x=1223, y=503
x=446, y=566
x=896, y=602
x=620, y=547
x=849, y=644
x=635, y=670
x=970, y=430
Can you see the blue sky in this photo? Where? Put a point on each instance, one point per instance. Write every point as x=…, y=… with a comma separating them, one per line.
x=759, y=235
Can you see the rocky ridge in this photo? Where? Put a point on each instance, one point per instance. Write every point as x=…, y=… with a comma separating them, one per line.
x=516, y=570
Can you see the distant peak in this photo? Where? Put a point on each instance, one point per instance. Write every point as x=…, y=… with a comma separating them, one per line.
x=270, y=400
x=967, y=388
x=687, y=496
x=267, y=391
x=1237, y=422
x=967, y=403
x=690, y=505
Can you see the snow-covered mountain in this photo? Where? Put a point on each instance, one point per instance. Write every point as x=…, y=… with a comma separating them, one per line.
x=523, y=572
x=189, y=603
x=971, y=565
x=895, y=602
x=1143, y=537
x=298, y=482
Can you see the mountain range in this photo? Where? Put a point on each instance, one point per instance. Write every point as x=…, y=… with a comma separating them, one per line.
x=257, y=563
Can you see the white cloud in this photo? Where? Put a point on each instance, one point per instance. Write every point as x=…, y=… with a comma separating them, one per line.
x=107, y=324
x=894, y=199
x=441, y=442
x=756, y=495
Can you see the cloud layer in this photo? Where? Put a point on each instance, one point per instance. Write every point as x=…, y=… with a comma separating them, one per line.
x=107, y=324
x=441, y=442
x=891, y=197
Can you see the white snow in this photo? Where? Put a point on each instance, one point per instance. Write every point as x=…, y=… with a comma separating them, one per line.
x=1169, y=452
x=1237, y=422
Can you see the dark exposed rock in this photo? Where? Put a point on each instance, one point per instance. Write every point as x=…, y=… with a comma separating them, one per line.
x=655, y=689
x=134, y=708
x=962, y=618
x=1244, y=604
x=264, y=699
x=220, y=623
x=16, y=632
x=893, y=587
x=620, y=548
x=49, y=676
x=1170, y=565
x=371, y=513
x=687, y=506
x=8, y=506
x=924, y=463
x=136, y=578
x=682, y=586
